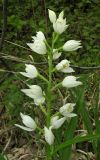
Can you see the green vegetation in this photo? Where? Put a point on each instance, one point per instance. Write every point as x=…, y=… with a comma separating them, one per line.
x=24, y=19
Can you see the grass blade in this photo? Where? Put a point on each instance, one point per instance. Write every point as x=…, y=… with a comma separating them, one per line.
x=77, y=140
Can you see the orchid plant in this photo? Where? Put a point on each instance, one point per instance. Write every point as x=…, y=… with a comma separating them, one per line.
x=43, y=99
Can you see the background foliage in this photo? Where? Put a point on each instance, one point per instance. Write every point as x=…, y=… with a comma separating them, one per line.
x=27, y=17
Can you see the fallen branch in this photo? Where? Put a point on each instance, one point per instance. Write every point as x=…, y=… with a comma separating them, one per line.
x=13, y=58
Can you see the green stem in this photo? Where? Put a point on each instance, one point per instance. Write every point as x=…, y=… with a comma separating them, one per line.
x=49, y=93
x=56, y=37
x=47, y=45
x=50, y=58
x=54, y=70
x=39, y=129
x=43, y=78
x=49, y=88
x=60, y=48
x=43, y=110
x=56, y=86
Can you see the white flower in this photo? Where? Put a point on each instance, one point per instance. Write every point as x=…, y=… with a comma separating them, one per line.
x=70, y=81
x=39, y=100
x=56, y=54
x=29, y=123
x=72, y=45
x=59, y=24
x=35, y=92
x=49, y=137
x=38, y=44
x=39, y=36
x=67, y=110
x=52, y=16
x=31, y=71
x=64, y=66
x=56, y=122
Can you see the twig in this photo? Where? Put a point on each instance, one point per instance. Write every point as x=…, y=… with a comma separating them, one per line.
x=6, y=130
x=7, y=144
x=18, y=45
x=13, y=58
x=25, y=155
x=2, y=70
x=82, y=152
x=25, y=61
x=85, y=68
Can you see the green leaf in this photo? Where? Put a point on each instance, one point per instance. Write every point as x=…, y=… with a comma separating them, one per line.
x=69, y=133
x=84, y=112
x=76, y=140
x=2, y=157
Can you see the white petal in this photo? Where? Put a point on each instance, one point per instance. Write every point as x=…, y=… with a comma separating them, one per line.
x=38, y=44
x=28, y=92
x=38, y=47
x=57, y=123
x=49, y=137
x=25, y=74
x=64, y=64
x=53, y=119
x=31, y=45
x=24, y=128
x=40, y=36
x=34, y=92
x=56, y=54
x=70, y=115
x=70, y=81
x=67, y=108
x=31, y=71
x=71, y=85
x=67, y=70
x=39, y=100
x=52, y=16
x=60, y=24
x=72, y=45
x=28, y=121
x=61, y=15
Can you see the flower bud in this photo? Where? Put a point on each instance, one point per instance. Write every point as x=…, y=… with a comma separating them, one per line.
x=56, y=122
x=35, y=92
x=64, y=66
x=56, y=54
x=60, y=24
x=72, y=45
x=29, y=123
x=38, y=45
x=70, y=81
x=67, y=110
x=52, y=16
x=31, y=71
x=49, y=137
